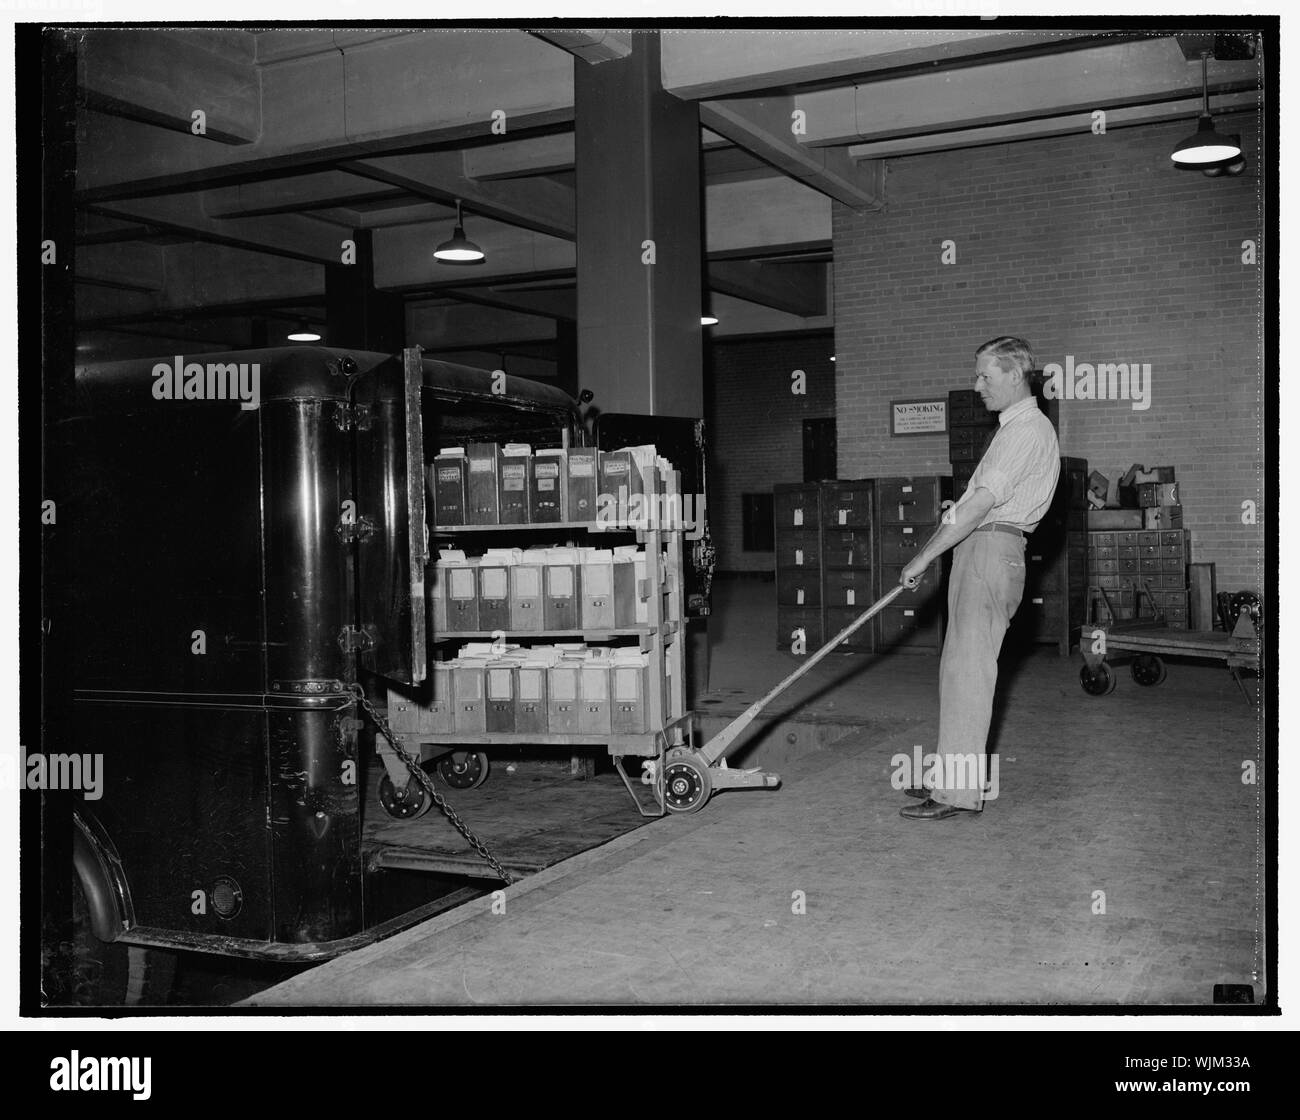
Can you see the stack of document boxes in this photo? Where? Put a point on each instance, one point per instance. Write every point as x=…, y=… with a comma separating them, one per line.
x=490, y=484
x=498, y=687
x=536, y=589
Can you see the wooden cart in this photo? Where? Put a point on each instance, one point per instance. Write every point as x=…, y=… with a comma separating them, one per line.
x=1149, y=641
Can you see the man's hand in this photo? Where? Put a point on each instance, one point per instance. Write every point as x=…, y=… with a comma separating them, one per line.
x=911, y=577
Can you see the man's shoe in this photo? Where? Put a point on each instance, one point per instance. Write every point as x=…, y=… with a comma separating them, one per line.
x=932, y=810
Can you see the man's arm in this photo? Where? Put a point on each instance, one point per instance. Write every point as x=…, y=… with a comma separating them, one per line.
x=959, y=522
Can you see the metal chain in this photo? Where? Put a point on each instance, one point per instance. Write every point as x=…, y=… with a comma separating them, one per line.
x=426, y=783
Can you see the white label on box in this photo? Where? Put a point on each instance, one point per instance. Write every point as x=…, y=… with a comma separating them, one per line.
x=798, y=596
x=798, y=555
x=907, y=528
x=844, y=517
x=479, y=466
x=907, y=489
x=798, y=517
x=1038, y=601
x=907, y=613
x=849, y=597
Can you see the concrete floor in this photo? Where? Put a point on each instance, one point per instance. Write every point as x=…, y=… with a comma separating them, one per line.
x=1138, y=795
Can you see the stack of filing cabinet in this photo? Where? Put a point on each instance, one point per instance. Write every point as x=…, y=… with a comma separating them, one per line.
x=1055, y=603
x=840, y=545
x=1123, y=560
x=907, y=514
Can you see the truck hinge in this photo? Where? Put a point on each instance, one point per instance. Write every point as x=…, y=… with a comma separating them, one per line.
x=351, y=638
x=354, y=529
x=352, y=418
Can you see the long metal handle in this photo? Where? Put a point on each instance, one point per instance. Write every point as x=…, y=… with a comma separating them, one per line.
x=718, y=746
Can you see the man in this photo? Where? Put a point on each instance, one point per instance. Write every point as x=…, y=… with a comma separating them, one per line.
x=1008, y=495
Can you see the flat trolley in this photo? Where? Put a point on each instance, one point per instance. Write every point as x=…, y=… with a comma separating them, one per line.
x=1149, y=641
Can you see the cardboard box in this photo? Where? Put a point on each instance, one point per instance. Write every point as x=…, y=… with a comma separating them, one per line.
x=1098, y=484
x=1114, y=519
x=1162, y=517
x=560, y=602
x=1154, y=474
x=483, y=491
x=629, y=703
x=455, y=601
x=608, y=591
x=530, y=698
x=526, y=597
x=469, y=712
x=563, y=696
x=513, y=495
x=584, y=467
x=594, y=710
x=448, y=481
x=493, y=595
x=548, y=486
x=1157, y=494
x=500, y=697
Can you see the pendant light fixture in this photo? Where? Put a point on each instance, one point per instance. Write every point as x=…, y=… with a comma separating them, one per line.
x=460, y=249
x=1206, y=148
x=303, y=333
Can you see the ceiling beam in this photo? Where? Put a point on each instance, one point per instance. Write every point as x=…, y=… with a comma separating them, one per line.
x=736, y=62
x=1081, y=81
x=765, y=128
x=541, y=205
x=295, y=193
x=590, y=46
x=162, y=77
x=796, y=287
x=285, y=235
x=1075, y=124
x=377, y=96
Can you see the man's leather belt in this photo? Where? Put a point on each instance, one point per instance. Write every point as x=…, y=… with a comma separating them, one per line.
x=1000, y=527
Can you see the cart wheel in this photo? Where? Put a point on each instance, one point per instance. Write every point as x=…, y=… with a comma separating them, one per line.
x=1148, y=670
x=464, y=769
x=407, y=804
x=1098, y=682
x=686, y=784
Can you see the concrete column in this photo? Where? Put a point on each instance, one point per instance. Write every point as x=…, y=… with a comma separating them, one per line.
x=638, y=181
x=357, y=314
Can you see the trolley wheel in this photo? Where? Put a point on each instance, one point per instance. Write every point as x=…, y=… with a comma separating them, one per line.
x=407, y=804
x=687, y=785
x=1097, y=682
x=464, y=769
x=1148, y=670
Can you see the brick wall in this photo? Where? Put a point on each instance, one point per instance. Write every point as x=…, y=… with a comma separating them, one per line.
x=756, y=426
x=1091, y=246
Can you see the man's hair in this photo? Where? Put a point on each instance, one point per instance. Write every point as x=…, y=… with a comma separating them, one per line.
x=1009, y=351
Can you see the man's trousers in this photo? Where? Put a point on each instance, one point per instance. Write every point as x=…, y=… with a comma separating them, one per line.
x=984, y=590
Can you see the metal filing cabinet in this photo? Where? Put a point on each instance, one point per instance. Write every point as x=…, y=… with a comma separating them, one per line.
x=848, y=557
x=1055, y=603
x=1162, y=561
x=907, y=514
x=1122, y=561
x=798, y=521
x=971, y=427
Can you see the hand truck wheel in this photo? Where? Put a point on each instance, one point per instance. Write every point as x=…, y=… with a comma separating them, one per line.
x=1148, y=670
x=464, y=769
x=687, y=785
x=406, y=804
x=1097, y=682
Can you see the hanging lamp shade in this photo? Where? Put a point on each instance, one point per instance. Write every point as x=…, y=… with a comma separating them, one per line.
x=1205, y=146
x=459, y=249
